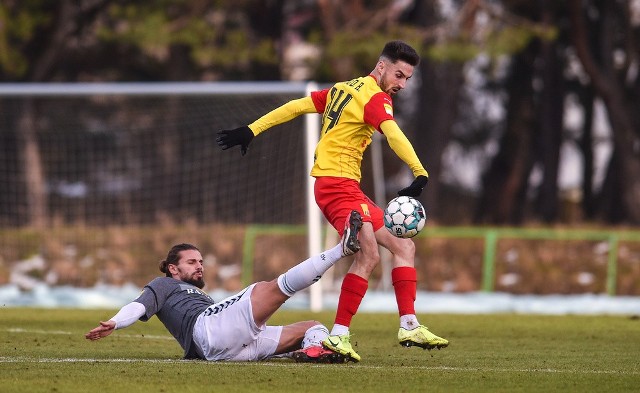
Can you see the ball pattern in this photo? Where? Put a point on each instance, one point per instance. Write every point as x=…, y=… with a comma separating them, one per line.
x=404, y=217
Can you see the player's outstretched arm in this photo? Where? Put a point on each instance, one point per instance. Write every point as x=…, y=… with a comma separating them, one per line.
x=243, y=136
x=103, y=330
x=127, y=316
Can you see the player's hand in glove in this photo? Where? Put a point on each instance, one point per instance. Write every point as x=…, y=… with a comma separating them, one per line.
x=238, y=136
x=415, y=189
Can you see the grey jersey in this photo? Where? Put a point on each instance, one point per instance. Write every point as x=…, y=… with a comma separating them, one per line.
x=177, y=305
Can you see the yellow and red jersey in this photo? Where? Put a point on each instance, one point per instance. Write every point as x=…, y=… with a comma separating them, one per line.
x=351, y=112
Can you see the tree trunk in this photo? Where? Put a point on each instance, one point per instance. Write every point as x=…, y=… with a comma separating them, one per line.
x=31, y=164
x=28, y=146
x=437, y=111
x=608, y=87
x=441, y=83
x=505, y=182
x=586, y=147
x=551, y=126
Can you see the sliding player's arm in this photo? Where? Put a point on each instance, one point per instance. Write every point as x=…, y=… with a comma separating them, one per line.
x=403, y=149
x=244, y=135
x=127, y=316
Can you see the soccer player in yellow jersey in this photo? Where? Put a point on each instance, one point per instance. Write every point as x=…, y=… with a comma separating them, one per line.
x=351, y=112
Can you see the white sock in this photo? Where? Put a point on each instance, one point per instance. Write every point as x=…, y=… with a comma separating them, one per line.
x=339, y=330
x=309, y=271
x=409, y=321
x=314, y=336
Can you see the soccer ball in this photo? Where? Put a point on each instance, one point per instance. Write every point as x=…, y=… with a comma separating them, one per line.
x=404, y=217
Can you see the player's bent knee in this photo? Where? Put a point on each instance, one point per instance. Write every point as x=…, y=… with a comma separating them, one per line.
x=409, y=246
x=369, y=254
x=403, y=248
x=364, y=264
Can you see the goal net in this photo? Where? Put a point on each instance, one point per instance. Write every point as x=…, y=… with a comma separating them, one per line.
x=98, y=180
x=128, y=154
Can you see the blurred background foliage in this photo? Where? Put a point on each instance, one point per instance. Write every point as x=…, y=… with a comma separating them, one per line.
x=488, y=114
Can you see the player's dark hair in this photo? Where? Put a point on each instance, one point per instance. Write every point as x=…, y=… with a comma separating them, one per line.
x=399, y=50
x=174, y=256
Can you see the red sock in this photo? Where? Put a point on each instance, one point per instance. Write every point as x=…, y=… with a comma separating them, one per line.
x=353, y=289
x=405, y=284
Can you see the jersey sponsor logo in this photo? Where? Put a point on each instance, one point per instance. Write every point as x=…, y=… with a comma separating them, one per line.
x=365, y=209
x=190, y=289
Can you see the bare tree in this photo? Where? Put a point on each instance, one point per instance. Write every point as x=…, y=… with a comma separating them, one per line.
x=505, y=181
x=615, y=84
x=42, y=65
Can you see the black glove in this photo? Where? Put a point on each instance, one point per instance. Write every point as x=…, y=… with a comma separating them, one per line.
x=415, y=189
x=238, y=136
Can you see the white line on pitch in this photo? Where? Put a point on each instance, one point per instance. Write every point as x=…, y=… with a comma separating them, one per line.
x=6, y=359
x=39, y=331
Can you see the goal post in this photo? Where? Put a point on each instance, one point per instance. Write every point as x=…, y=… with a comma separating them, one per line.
x=314, y=219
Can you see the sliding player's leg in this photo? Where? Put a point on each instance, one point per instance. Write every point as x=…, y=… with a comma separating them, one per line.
x=267, y=297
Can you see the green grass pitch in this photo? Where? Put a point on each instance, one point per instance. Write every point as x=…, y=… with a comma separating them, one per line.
x=44, y=350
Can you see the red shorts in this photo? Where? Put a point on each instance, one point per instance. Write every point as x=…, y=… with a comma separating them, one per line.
x=337, y=196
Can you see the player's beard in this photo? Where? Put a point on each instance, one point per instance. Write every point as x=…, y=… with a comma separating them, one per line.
x=196, y=282
x=386, y=88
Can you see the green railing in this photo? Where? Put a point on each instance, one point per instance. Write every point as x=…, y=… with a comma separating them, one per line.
x=490, y=235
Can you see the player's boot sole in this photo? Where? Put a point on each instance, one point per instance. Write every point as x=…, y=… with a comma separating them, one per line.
x=421, y=337
x=330, y=358
x=409, y=343
x=351, y=244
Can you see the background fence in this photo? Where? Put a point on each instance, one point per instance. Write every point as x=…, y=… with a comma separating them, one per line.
x=600, y=265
